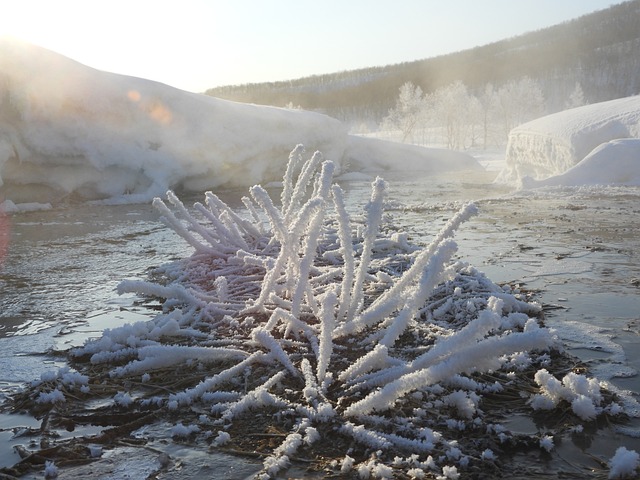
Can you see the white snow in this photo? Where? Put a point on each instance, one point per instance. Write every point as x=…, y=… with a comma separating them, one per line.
x=583, y=393
x=624, y=463
x=67, y=129
x=50, y=470
x=546, y=443
x=614, y=162
x=593, y=144
x=181, y=430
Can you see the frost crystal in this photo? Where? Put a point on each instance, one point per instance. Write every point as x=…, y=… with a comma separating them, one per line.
x=624, y=463
x=50, y=470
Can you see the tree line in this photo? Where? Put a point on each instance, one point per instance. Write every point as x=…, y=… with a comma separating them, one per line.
x=597, y=51
x=456, y=117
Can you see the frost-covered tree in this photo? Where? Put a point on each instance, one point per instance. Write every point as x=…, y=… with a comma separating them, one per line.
x=488, y=102
x=457, y=112
x=520, y=101
x=406, y=114
x=451, y=104
x=576, y=99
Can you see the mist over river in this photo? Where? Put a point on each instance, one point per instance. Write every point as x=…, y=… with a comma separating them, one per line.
x=578, y=248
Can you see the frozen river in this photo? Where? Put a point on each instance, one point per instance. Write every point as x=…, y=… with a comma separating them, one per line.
x=579, y=248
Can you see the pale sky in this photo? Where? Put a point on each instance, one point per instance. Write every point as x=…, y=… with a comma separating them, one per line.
x=200, y=44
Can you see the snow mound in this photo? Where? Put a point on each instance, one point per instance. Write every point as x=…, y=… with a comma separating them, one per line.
x=615, y=162
x=553, y=144
x=67, y=129
x=376, y=155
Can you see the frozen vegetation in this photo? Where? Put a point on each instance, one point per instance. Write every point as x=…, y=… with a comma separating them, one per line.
x=69, y=131
x=331, y=334
x=592, y=144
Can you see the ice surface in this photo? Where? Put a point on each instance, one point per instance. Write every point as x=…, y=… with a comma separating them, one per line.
x=551, y=145
x=67, y=129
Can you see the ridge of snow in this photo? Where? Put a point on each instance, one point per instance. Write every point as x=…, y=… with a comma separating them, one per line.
x=70, y=130
x=553, y=144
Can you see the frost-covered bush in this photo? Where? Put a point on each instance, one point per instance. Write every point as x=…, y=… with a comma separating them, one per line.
x=334, y=325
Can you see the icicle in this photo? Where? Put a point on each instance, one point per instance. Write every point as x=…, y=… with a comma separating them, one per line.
x=172, y=291
x=288, y=259
x=324, y=180
x=251, y=208
x=213, y=200
x=367, y=437
x=193, y=223
x=224, y=235
x=222, y=288
x=446, y=347
x=152, y=357
x=310, y=390
x=222, y=377
x=258, y=397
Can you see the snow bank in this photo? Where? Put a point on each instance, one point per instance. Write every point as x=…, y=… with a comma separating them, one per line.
x=615, y=162
x=67, y=129
x=553, y=144
x=373, y=155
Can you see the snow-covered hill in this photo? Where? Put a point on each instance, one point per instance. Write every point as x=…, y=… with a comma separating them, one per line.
x=552, y=145
x=67, y=129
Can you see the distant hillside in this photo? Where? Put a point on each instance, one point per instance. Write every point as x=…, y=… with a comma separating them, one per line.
x=601, y=51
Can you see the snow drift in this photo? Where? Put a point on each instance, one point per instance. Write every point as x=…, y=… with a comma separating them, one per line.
x=67, y=129
x=553, y=144
x=615, y=162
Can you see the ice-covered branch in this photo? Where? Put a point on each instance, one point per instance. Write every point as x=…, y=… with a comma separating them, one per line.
x=431, y=276
x=300, y=189
x=177, y=226
x=295, y=159
x=265, y=339
x=395, y=296
x=327, y=323
x=158, y=356
x=346, y=248
x=479, y=357
x=374, y=217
